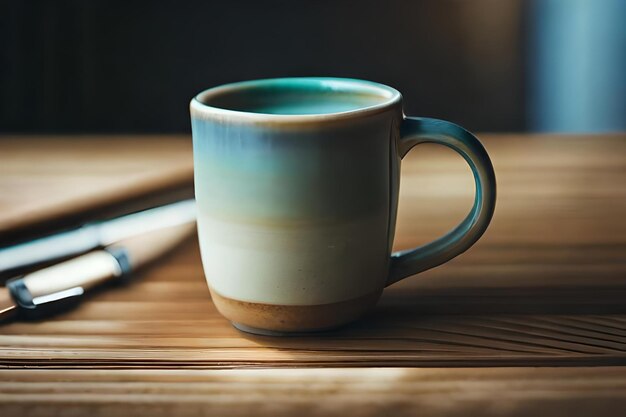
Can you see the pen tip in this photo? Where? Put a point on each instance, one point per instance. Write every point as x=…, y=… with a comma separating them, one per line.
x=8, y=308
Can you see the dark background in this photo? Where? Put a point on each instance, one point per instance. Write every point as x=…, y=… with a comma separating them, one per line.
x=132, y=66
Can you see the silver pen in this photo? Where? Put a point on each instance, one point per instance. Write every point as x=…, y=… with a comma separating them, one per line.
x=42, y=292
x=17, y=258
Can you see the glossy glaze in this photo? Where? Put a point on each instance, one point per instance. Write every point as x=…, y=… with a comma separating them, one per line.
x=295, y=215
x=297, y=207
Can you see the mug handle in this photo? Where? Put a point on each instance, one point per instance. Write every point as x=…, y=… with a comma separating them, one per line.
x=414, y=131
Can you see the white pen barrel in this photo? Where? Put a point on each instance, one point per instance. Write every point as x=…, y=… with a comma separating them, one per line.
x=86, y=271
x=97, y=267
x=148, y=247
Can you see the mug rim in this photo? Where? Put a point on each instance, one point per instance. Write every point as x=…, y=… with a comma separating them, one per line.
x=389, y=97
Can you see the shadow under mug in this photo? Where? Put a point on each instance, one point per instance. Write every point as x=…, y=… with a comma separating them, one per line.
x=296, y=183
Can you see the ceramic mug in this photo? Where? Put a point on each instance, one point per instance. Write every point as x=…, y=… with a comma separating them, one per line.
x=296, y=183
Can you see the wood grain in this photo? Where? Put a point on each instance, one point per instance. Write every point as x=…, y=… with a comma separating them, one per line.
x=545, y=286
x=46, y=180
x=394, y=392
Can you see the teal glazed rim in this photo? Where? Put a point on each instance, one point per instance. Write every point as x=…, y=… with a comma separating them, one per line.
x=389, y=97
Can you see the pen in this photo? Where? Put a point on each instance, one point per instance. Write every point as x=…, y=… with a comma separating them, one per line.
x=42, y=292
x=25, y=256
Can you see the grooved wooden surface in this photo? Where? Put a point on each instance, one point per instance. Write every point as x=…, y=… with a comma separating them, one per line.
x=362, y=392
x=546, y=286
x=47, y=178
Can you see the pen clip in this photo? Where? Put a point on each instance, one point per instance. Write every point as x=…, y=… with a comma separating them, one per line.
x=36, y=307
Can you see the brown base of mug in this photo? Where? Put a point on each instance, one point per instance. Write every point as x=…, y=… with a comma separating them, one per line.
x=280, y=320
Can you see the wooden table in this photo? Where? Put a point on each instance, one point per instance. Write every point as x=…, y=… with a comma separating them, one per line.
x=531, y=321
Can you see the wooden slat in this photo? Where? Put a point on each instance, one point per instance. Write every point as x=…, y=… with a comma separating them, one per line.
x=394, y=392
x=545, y=286
x=165, y=319
x=48, y=179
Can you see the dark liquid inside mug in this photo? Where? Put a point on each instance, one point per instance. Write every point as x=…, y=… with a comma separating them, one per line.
x=296, y=100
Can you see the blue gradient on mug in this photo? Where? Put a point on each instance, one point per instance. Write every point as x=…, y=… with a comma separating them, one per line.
x=296, y=213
